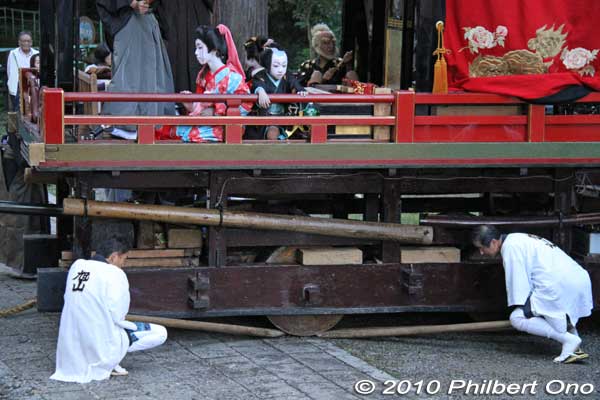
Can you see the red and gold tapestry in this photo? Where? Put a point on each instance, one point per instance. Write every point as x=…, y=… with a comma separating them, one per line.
x=525, y=48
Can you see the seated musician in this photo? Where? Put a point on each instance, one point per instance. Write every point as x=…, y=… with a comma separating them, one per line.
x=221, y=73
x=275, y=81
x=326, y=68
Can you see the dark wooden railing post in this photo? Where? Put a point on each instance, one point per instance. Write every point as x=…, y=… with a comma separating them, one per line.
x=404, y=110
x=536, y=123
x=53, y=113
x=233, y=133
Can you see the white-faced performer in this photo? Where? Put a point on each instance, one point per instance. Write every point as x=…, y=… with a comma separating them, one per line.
x=550, y=290
x=94, y=336
x=275, y=80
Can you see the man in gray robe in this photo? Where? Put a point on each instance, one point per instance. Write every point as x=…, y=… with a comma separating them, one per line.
x=140, y=59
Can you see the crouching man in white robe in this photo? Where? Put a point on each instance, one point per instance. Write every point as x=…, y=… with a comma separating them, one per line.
x=94, y=336
x=550, y=290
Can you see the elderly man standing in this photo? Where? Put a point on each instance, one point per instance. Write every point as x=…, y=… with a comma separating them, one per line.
x=18, y=58
x=550, y=290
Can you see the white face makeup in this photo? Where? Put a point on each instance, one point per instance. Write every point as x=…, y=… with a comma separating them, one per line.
x=202, y=54
x=278, y=64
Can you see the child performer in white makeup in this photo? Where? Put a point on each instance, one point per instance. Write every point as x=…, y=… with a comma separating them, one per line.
x=276, y=81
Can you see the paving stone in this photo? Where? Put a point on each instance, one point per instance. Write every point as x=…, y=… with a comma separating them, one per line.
x=212, y=350
x=269, y=387
x=141, y=392
x=292, y=345
x=218, y=361
x=72, y=395
x=321, y=361
x=325, y=391
x=30, y=366
x=297, y=373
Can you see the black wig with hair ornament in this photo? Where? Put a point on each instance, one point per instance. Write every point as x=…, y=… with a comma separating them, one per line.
x=213, y=40
x=267, y=55
x=254, y=47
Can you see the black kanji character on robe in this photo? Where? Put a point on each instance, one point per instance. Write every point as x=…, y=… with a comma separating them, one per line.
x=545, y=241
x=81, y=277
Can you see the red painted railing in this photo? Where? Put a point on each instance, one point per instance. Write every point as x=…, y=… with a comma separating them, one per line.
x=407, y=126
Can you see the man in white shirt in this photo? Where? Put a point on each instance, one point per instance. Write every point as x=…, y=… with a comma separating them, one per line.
x=94, y=336
x=550, y=290
x=18, y=58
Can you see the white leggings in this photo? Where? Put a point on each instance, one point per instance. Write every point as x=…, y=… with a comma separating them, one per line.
x=147, y=339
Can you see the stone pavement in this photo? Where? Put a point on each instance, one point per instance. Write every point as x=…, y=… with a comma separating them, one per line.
x=190, y=365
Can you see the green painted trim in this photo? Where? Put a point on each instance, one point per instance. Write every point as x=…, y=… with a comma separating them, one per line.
x=375, y=154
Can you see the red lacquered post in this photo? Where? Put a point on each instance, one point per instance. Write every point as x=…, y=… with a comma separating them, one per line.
x=404, y=110
x=145, y=134
x=233, y=133
x=53, y=113
x=536, y=123
x=318, y=134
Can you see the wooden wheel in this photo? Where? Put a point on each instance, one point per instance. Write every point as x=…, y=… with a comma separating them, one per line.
x=305, y=325
x=299, y=325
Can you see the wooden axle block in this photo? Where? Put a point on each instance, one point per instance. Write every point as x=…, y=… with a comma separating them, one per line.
x=184, y=238
x=330, y=256
x=429, y=254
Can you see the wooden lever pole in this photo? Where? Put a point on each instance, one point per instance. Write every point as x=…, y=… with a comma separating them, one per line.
x=207, y=326
x=416, y=330
x=413, y=234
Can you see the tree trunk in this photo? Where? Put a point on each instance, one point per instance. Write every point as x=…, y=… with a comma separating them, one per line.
x=244, y=18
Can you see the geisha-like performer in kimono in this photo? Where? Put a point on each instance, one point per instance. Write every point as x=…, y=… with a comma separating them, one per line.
x=275, y=81
x=221, y=73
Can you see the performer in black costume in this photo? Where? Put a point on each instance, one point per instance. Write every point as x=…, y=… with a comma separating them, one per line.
x=326, y=68
x=274, y=81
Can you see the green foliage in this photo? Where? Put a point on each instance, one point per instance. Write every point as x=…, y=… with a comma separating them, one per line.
x=290, y=22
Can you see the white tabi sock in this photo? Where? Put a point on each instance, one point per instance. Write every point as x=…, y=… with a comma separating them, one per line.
x=540, y=327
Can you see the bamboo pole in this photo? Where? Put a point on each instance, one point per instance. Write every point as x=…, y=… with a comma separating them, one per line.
x=412, y=234
x=416, y=330
x=208, y=326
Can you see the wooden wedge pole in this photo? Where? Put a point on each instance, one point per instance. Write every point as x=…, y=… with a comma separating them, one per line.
x=412, y=234
x=208, y=326
x=415, y=330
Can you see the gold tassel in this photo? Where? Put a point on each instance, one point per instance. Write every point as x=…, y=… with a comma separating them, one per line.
x=440, y=69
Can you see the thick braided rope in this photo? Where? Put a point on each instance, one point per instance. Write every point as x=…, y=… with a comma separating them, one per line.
x=5, y=312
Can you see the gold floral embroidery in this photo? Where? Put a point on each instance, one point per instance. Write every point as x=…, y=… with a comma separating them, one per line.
x=516, y=62
x=548, y=42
